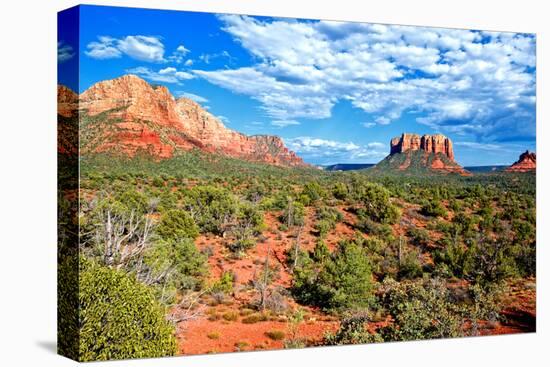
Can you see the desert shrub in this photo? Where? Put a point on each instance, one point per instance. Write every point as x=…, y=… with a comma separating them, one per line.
x=492, y=260
x=410, y=266
x=214, y=208
x=352, y=331
x=230, y=316
x=456, y=257
x=134, y=200
x=248, y=224
x=224, y=284
x=377, y=204
x=433, y=208
x=311, y=193
x=254, y=318
x=214, y=335
x=370, y=227
x=327, y=218
x=175, y=263
x=344, y=280
x=420, y=310
x=119, y=317
x=293, y=213
x=419, y=236
x=275, y=334
x=177, y=224
x=340, y=191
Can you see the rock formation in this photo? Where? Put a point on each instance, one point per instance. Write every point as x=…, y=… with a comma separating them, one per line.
x=427, y=153
x=527, y=162
x=142, y=118
x=429, y=143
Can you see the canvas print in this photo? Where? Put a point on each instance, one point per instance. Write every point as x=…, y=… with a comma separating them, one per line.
x=242, y=183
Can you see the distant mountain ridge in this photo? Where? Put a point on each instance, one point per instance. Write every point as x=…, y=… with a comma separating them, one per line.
x=128, y=116
x=348, y=166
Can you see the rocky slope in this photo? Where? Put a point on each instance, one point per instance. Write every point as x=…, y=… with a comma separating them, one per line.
x=128, y=116
x=527, y=162
x=422, y=154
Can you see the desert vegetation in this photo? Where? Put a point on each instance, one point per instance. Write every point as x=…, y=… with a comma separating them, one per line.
x=215, y=254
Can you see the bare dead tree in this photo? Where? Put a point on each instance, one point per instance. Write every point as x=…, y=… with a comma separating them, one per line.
x=297, y=247
x=262, y=281
x=189, y=308
x=123, y=236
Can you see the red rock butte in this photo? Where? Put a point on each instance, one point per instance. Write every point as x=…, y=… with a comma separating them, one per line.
x=527, y=162
x=429, y=143
x=148, y=118
x=438, y=152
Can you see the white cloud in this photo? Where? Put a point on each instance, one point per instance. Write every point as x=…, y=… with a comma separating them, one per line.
x=457, y=80
x=284, y=123
x=143, y=48
x=64, y=52
x=106, y=48
x=166, y=75
x=335, y=151
x=368, y=125
x=194, y=97
x=188, y=62
x=179, y=55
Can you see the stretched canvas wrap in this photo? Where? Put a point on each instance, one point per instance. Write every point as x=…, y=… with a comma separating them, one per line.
x=241, y=183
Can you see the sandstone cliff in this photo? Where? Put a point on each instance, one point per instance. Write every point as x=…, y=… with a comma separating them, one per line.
x=527, y=162
x=429, y=143
x=127, y=115
x=427, y=153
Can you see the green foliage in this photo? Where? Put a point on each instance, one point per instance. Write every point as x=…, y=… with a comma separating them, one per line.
x=213, y=208
x=176, y=225
x=312, y=192
x=119, y=317
x=176, y=263
x=340, y=191
x=352, y=331
x=420, y=310
x=342, y=281
x=293, y=213
x=377, y=204
x=327, y=218
x=433, y=208
x=410, y=266
x=224, y=284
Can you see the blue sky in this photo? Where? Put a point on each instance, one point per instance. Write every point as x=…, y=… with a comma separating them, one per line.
x=336, y=92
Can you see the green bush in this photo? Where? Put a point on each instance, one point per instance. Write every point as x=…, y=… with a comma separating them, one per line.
x=214, y=208
x=433, y=208
x=181, y=261
x=293, y=213
x=120, y=318
x=377, y=204
x=420, y=310
x=342, y=281
x=352, y=330
x=275, y=334
x=177, y=224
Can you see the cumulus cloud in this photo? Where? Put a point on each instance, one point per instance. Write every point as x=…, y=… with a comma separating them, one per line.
x=64, y=52
x=468, y=82
x=105, y=48
x=331, y=151
x=143, y=48
x=178, y=56
x=166, y=75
